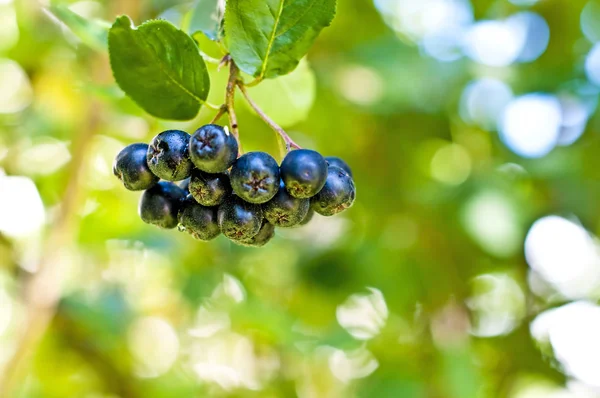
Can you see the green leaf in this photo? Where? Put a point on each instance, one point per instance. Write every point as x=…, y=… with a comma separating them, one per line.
x=287, y=99
x=267, y=38
x=207, y=17
x=159, y=67
x=91, y=32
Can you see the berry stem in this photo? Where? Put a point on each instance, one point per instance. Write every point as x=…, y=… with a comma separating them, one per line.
x=230, y=96
x=209, y=59
x=220, y=113
x=289, y=142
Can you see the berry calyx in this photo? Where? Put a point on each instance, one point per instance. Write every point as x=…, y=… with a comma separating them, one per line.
x=197, y=220
x=238, y=219
x=160, y=204
x=334, y=161
x=284, y=210
x=266, y=233
x=304, y=172
x=212, y=149
x=168, y=156
x=209, y=189
x=131, y=168
x=254, y=177
x=337, y=195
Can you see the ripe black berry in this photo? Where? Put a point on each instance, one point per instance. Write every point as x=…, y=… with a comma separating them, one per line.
x=337, y=195
x=307, y=218
x=284, y=210
x=304, y=172
x=212, y=149
x=239, y=220
x=266, y=233
x=168, y=155
x=334, y=161
x=160, y=204
x=197, y=220
x=209, y=189
x=255, y=177
x=185, y=185
x=131, y=168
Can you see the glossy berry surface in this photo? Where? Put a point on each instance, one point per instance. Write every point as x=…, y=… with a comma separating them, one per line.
x=185, y=185
x=334, y=161
x=304, y=172
x=255, y=177
x=160, y=204
x=197, y=220
x=264, y=235
x=309, y=216
x=212, y=149
x=209, y=189
x=284, y=210
x=337, y=195
x=238, y=219
x=131, y=168
x=168, y=155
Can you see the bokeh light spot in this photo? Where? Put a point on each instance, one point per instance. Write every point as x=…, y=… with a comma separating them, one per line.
x=16, y=93
x=483, y=102
x=491, y=221
x=154, y=345
x=21, y=209
x=573, y=331
x=530, y=125
x=451, y=164
x=494, y=43
x=363, y=315
x=565, y=255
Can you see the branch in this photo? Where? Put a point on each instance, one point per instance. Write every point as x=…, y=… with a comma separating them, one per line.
x=289, y=142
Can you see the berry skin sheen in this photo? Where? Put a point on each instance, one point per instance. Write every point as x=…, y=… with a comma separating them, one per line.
x=334, y=161
x=255, y=177
x=168, y=156
x=160, y=204
x=337, y=195
x=209, y=189
x=284, y=210
x=212, y=149
x=266, y=233
x=307, y=218
x=131, y=168
x=304, y=172
x=197, y=220
x=239, y=220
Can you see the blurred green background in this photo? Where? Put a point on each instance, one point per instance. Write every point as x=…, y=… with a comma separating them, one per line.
x=468, y=266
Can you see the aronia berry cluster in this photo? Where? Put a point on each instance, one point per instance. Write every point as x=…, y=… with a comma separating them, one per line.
x=243, y=198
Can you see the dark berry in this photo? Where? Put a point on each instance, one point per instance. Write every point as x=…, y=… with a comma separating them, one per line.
x=266, y=233
x=212, y=149
x=307, y=218
x=284, y=210
x=197, y=220
x=168, y=155
x=255, y=177
x=337, y=195
x=209, y=189
x=131, y=168
x=238, y=219
x=185, y=185
x=304, y=172
x=160, y=204
x=334, y=161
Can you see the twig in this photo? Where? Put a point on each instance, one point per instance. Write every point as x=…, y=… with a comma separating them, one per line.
x=289, y=142
x=220, y=113
x=230, y=97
